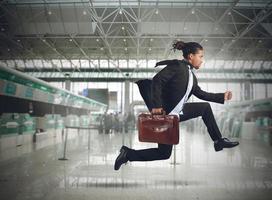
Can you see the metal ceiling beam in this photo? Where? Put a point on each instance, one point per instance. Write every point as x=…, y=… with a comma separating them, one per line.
x=51, y=46
x=131, y=19
x=263, y=14
x=141, y=70
x=119, y=79
x=151, y=3
x=218, y=21
x=142, y=37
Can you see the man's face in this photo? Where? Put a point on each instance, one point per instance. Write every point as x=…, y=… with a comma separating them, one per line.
x=197, y=59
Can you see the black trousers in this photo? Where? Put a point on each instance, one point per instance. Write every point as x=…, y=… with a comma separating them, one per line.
x=190, y=110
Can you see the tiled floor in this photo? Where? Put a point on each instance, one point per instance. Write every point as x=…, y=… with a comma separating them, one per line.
x=244, y=172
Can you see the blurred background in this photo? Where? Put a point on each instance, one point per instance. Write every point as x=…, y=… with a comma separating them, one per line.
x=67, y=91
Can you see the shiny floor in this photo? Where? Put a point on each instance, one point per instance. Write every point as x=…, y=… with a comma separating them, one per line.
x=194, y=171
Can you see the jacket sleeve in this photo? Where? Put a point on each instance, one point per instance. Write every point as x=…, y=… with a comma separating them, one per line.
x=158, y=82
x=214, y=97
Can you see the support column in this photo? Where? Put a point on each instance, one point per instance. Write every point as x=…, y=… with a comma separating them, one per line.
x=247, y=91
x=126, y=100
x=68, y=85
x=266, y=90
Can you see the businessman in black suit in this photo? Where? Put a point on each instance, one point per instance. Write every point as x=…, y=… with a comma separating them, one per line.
x=169, y=90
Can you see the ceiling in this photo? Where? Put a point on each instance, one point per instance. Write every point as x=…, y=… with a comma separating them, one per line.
x=104, y=29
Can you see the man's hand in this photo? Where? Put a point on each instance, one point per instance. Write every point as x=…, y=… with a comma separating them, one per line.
x=228, y=95
x=156, y=111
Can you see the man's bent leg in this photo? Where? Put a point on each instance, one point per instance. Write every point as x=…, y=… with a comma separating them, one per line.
x=193, y=110
x=161, y=153
x=203, y=109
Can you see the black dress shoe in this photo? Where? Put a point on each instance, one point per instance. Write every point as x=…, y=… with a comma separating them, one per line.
x=224, y=143
x=122, y=158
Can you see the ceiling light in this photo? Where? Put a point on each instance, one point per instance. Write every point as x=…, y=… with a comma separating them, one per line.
x=260, y=41
x=101, y=48
x=49, y=12
x=70, y=40
x=193, y=11
x=18, y=40
x=97, y=40
x=126, y=49
x=84, y=12
x=8, y=49
x=229, y=13
x=43, y=40
x=206, y=40
x=151, y=39
x=124, y=40
x=120, y=11
x=149, y=49
x=123, y=28
x=157, y=11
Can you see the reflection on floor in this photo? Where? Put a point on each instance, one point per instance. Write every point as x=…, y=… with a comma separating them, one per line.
x=194, y=171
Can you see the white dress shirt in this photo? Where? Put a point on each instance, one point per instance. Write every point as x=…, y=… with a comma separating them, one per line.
x=178, y=108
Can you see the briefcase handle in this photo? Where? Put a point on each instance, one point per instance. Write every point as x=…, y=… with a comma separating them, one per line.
x=163, y=114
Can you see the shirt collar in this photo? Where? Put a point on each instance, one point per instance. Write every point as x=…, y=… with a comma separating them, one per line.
x=188, y=63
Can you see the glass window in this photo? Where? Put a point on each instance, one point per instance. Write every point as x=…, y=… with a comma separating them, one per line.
x=248, y=64
x=151, y=63
x=123, y=63
x=29, y=64
x=258, y=91
x=238, y=64
x=132, y=63
x=94, y=63
x=219, y=64
x=257, y=64
x=113, y=63
x=104, y=64
x=75, y=63
x=267, y=65
x=85, y=63
x=47, y=64
x=269, y=90
x=56, y=63
x=142, y=63
x=66, y=64
x=229, y=64
x=19, y=63
x=3, y=63
x=210, y=64
x=37, y=63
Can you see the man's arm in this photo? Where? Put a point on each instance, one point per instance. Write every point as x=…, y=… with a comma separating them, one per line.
x=214, y=97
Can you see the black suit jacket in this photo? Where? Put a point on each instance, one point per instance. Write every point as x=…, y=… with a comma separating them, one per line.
x=169, y=86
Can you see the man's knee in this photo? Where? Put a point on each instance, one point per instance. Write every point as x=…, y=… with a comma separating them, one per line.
x=166, y=155
x=165, y=151
x=207, y=106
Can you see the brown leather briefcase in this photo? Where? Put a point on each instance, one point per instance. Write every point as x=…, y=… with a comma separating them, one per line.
x=163, y=129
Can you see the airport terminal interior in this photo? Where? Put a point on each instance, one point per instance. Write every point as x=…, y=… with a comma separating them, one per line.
x=69, y=99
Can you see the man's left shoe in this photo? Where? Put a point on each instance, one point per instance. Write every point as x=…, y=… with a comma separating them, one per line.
x=224, y=143
x=122, y=158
